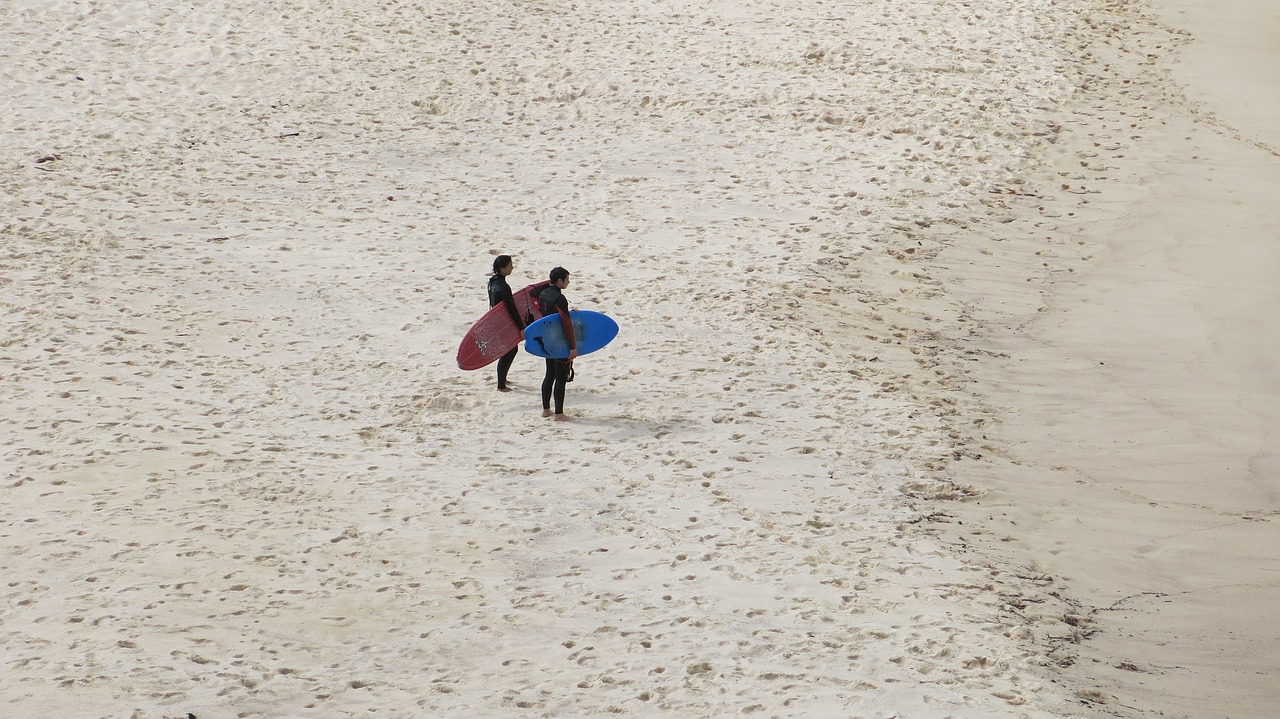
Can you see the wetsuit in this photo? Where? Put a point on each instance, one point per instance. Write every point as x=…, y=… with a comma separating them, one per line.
x=500, y=291
x=550, y=300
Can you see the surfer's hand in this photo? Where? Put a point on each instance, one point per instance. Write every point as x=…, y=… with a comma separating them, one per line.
x=573, y=355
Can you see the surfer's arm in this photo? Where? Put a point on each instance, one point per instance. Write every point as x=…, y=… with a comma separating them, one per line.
x=510, y=304
x=567, y=325
x=500, y=292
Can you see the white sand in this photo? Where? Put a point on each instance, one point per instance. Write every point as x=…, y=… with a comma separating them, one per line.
x=1230, y=71
x=1140, y=393
x=244, y=479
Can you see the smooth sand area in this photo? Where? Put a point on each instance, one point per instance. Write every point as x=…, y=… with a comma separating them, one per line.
x=1140, y=394
x=1233, y=66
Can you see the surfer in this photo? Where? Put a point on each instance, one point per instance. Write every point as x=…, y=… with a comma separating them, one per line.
x=551, y=299
x=500, y=291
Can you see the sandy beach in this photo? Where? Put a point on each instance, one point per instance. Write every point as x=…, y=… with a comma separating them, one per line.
x=940, y=390
x=1138, y=391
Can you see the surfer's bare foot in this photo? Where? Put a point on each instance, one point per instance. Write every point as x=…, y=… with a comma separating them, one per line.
x=504, y=389
x=562, y=417
x=546, y=413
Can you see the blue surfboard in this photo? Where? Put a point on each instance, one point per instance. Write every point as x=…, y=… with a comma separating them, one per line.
x=592, y=330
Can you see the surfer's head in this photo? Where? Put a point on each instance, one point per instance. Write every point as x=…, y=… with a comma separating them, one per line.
x=558, y=275
x=502, y=262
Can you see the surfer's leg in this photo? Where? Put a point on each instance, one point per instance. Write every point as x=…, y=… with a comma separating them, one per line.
x=547, y=381
x=561, y=377
x=504, y=365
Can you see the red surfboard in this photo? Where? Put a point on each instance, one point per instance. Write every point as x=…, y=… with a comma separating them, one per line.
x=494, y=334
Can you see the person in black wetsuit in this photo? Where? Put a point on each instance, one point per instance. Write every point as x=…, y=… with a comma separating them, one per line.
x=500, y=291
x=551, y=300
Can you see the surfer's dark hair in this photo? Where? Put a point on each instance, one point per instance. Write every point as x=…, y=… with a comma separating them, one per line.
x=500, y=261
x=559, y=273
